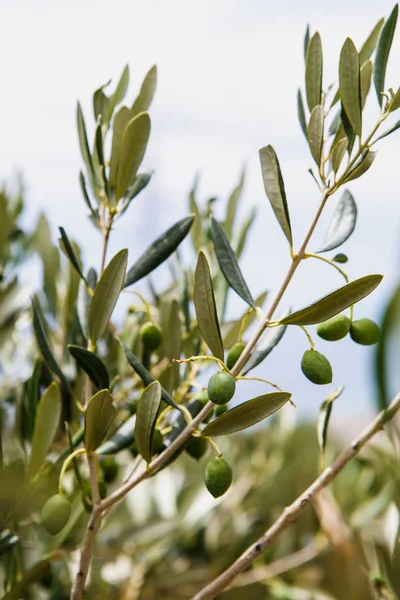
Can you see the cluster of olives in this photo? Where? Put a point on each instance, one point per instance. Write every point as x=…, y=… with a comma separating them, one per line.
x=315, y=366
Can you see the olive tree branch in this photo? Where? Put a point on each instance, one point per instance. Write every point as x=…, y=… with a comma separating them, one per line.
x=292, y=512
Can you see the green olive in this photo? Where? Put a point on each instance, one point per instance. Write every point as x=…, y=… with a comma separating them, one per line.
x=56, y=513
x=151, y=336
x=365, y=332
x=221, y=387
x=316, y=367
x=197, y=447
x=334, y=329
x=234, y=354
x=218, y=476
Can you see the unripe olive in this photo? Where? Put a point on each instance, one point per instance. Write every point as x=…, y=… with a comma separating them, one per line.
x=218, y=476
x=197, y=447
x=203, y=398
x=221, y=387
x=234, y=354
x=158, y=441
x=316, y=367
x=220, y=409
x=110, y=469
x=102, y=487
x=334, y=329
x=55, y=514
x=365, y=332
x=151, y=336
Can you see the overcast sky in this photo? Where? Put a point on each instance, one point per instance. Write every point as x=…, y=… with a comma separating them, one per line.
x=228, y=78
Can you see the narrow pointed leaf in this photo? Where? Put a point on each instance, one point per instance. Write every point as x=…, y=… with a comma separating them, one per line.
x=228, y=263
x=233, y=204
x=315, y=132
x=334, y=303
x=196, y=231
x=145, y=376
x=301, y=113
x=395, y=103
x=363, y=165
x=382, y=53
x=314, y=65
x=122, y=439
x=106, y=294
x=146, y=416
x=99, y=415
x=146, y=94
x=348, y=130
x=84, y=146
x=246, y=414
x=100, y=101
x=275, y=189
x=306, y=41
x=159, y=250
x=118, y=95
x=389, y=131
x=46, y=424
x=206, y=311
x=43, y=342
x=121, y=120
x=365, y=81
x=338, y=153
x=335, y=125
x=94, y=213
x=172, y=346
x=324, y=416
x=369, y=45
x=92, y=365
x=349, y=82
x=271, y=339
x=133, y=146
x=69, y=251
x=342, y=224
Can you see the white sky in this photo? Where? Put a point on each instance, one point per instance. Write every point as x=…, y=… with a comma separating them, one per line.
x=228, y=78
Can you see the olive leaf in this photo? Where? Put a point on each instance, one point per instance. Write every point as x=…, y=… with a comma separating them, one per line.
x=121, y=120
x=388, y=132
x=67, y=248
x=172, y=346
x=146, y=416
x=343, y=223
x=306, y=41
x=364, y=164
x=348, y=130
x=123, y=438
x=133, y=146
x=94, y=213
x=139, y=183
x=315, y=132
x=338, y=153
x=383, y=51
x=84, y=146
x=314, y=65
x=271, y=339
x=365, y=81
x=106, y=294
x=146, y=94
x=389, y=331
x=369, y=45
x=46, y=424
x=334, y=303
x=233, y=204
x=206, y=312
x=275, y=189
x=301, y=113
x=159, y=250
x=91, y=364
x=324, y=416
x=228, y=263
x=99, y=415
x=246, y=414
x=349, y=83
x=118, y=95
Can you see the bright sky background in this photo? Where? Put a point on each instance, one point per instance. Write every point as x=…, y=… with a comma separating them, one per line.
x=228, y=78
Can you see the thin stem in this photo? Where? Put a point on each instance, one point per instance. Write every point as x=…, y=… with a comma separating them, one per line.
x=106, y=236
x=329, y=262
x=292, y=512
x=310, y=340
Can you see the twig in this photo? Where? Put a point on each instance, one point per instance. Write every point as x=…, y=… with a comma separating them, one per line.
x=292, y=512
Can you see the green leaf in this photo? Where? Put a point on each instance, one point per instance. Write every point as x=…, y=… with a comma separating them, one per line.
x=204, y=302
x=118, y=95
x=348, y=129
x=123, y=438
x=388, y=132
x=395, y=103
x=301, y=113
x=315, y=132
x=246, y=414
x=334, y=303
x=306, y=41
x=133, y=146
x=233, y=204
x=100, y=101
x=140, y=182
x=121, y=120
x=106, y=294
x=349, y=82
x=84, y=146
x=342, y=224
x=365, y=81
x=324, y=416
x=369, y=45
x=46, y=424
x=159, y=250
x=228, y=263
x=338, y=153
x=92, y=365
x=99, y=415
x=244, y=230
x=67, y=248
x=314, y=67
x=146, y=94
x=363, y=165
x=389, y=331
x=145, y=376
x=95, y=217
x=196, y=232
x=146, y=416
x=271, y=338
x=39, y=330
x=275, y=189
x=382, y=53
x=172, y=346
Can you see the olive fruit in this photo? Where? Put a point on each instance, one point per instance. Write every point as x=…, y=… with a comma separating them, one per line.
x=151, y=336
x=221, y=387
x=218, y=476
x=220, y=409
x=55, y=514
x=234, y=354
x=197, y=447
x=110, y=468
x=316, y=367
x=202, y=397
x=334, y=328
x=365, y=332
